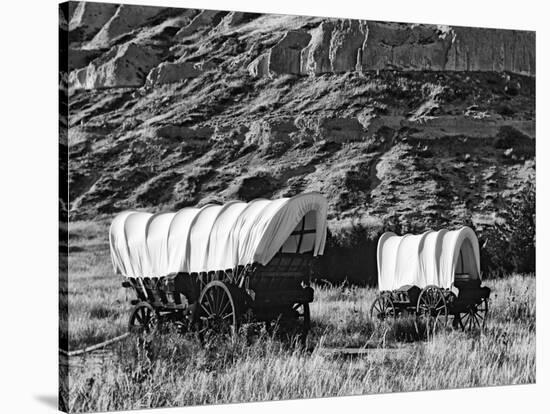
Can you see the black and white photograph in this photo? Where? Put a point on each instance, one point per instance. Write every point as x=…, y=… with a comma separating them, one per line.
x=258, y=207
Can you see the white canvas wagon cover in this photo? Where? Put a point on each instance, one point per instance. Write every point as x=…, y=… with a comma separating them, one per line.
x=216, y=237
x=431, y=258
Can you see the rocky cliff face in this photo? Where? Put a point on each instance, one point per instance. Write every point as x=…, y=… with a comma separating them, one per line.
x=174, y=107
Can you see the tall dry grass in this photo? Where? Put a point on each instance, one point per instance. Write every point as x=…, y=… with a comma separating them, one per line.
x=174, y=370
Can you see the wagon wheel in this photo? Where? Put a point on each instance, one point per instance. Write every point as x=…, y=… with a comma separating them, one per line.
x=474, y=317
x=431, y=309
x=143, y=319
x=216, y=311
x=382, y=308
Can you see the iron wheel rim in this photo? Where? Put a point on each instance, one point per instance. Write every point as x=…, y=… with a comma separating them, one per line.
x=144, y=319
x=217, y=312
x=383, y=308
x=474, y=317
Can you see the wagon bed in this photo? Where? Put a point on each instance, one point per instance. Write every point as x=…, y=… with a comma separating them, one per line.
x=269, y=281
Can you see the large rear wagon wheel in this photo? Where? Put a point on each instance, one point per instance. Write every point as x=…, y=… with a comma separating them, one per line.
x=473, y=318
x=216, y=312
x=143, y=319
x=431, y=310
x=382, y=308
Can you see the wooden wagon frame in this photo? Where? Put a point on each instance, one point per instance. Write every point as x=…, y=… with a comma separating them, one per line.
x=219, y=301
x=458, y=295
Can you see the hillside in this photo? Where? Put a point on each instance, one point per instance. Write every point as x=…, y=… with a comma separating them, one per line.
x=423, y=124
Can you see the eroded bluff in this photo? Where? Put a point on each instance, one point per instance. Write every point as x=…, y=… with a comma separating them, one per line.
x=174, y=107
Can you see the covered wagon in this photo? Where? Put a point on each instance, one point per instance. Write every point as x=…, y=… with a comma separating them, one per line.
x=434, y=275
x=207, y=267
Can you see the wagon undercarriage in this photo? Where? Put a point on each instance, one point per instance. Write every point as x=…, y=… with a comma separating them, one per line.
x=433, y=307
x=218, y=302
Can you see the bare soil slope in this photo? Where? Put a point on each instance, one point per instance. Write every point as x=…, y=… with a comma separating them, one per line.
x=177, y=107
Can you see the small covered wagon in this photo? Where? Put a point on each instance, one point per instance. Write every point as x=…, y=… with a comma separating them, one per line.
x=434, y=276
x=205, y=268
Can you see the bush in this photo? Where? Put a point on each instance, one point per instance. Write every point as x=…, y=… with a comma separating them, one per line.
x=350, y=253
x=509, y=245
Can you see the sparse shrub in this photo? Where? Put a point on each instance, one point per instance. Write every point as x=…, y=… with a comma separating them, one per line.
x=509, y=246
x=402, y=224
x=350, y=254
x=261, y=184
x=505, y=110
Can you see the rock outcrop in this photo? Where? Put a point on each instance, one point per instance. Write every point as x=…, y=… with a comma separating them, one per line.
x=315, y=56
x=492, y=50
x=191, y=136
x=123, y=66
x=171, y=72
x=342, y=130
x=335, y=47
x=284, y=57
x=79, y=58
x=345, y=47
x=259, y=66
x=126, y=19
x=406, y=47
x=88, y=18
x=268, y=133
x=233, y=19
x=205, y=18
x=338, y=46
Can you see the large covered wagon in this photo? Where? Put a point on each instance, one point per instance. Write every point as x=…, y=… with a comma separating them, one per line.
x=207, y=267
x=434, y=275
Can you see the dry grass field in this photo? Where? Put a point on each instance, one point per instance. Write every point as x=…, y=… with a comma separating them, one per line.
x=173, y=370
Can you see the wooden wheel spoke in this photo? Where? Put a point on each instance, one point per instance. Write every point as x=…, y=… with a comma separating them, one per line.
x=216, y=300
x=227, y=303
x=479, y=318
x=382, y=308
x=217, y=304
x=229, y=315
x=208, y=303
x=432, y=308
x=220, y=296
x=212, y=301
x=143, y=318
x=220, y=301
x=206, y=310
x=141, y=313
x=480, y=315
